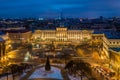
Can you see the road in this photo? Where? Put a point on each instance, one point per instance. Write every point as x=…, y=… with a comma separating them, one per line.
x=92, y=57
x=17, y=55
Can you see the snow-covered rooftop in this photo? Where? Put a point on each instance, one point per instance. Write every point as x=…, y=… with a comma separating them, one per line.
x=109, y=34
x=1, y=39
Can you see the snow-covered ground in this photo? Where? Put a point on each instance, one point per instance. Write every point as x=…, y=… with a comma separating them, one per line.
x=61, y=65
x=41, y=73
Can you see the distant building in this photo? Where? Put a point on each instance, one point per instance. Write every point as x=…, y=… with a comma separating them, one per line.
x=19, y=36
x=2, y=47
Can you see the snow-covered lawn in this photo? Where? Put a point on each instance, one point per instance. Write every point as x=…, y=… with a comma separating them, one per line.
x=41, y=73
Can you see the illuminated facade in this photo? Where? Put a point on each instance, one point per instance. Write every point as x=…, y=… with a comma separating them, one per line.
x=107, y=44
x=2, y=48
x=114, y=59
x=62, y=34
x=19, y=36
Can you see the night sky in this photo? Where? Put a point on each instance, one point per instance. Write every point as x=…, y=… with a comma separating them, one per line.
x=52, y=8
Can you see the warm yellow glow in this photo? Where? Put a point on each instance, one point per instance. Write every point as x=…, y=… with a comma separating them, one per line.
x=61, y=34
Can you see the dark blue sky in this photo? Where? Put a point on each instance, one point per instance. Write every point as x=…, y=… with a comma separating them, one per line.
x=52, y=8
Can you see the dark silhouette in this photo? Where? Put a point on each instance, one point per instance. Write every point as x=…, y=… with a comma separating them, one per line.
x=47, y=65
x=74, y=66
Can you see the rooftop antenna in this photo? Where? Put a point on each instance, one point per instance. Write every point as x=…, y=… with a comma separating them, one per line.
x=61, y=19
x=61, y=14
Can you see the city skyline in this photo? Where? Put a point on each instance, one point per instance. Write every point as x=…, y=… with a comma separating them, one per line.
x=53, y=8
x=76, y=39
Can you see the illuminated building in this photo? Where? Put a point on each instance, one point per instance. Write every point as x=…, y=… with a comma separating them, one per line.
x=19, y=36
x=62, y=35
x=2, y=48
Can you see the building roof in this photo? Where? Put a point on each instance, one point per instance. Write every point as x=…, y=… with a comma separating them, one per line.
x=1, y=39
x=116, y=49
x=1, y=32
x=17, y=31
x=109, y=34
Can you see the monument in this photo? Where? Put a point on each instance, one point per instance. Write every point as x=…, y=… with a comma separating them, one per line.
x=47, y=65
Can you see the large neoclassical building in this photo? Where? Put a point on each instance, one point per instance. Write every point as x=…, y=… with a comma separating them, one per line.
x=61, y=35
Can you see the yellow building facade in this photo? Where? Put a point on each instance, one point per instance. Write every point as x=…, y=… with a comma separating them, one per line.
x=62, y=35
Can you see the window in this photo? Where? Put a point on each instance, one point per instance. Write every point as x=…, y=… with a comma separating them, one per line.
x=113, y=42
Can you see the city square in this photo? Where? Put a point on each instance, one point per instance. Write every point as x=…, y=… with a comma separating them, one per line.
x=68, y=51
x=59, y=40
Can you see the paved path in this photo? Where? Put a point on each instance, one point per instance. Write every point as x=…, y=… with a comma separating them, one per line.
x=77, y=77
x=64, y=74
